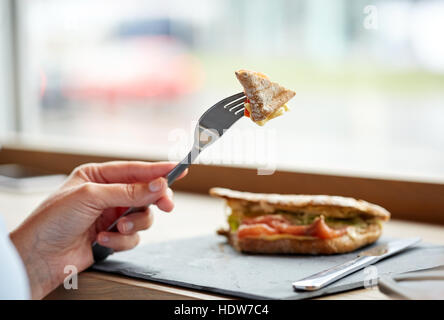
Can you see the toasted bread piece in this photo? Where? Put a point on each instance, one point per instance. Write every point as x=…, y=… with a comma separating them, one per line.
x=346, y=243
x=329, y=206
x=265, y=97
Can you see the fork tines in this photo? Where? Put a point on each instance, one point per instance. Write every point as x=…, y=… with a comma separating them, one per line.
x=237, y=103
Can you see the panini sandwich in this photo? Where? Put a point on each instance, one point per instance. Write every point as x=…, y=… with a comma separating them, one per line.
x=299, y=224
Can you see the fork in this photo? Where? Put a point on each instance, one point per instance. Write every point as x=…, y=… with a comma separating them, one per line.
x=210, y=127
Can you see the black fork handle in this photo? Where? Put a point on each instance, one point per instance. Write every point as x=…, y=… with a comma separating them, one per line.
x=180, y=168
x=100, y=252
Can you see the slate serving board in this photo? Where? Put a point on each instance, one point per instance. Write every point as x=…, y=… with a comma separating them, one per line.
x=208, y=263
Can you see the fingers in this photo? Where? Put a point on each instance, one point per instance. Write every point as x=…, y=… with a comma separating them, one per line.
x=124, y=171
x=118, y=241
x=127, y=237
x=166, y=203
x=134, y=222
x=101, y=196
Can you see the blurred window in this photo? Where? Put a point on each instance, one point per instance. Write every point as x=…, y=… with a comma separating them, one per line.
x=7, y=123
x=132, y=76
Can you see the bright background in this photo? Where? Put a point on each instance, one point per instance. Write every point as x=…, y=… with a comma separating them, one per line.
x=118, y=77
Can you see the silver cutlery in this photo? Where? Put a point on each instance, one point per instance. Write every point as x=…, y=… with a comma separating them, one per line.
x=364, y=259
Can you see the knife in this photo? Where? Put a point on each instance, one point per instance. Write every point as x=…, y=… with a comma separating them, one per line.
x=364, y=258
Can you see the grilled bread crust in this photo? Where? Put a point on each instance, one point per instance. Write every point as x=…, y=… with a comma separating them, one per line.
x=329, y=206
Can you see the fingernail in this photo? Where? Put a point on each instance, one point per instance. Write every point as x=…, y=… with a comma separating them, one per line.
x=104, y=238
x=155, y=185
x=127, y=226
x=170, y=193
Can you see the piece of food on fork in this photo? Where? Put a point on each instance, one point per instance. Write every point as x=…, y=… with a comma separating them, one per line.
x=265, y=99
x=299, y=224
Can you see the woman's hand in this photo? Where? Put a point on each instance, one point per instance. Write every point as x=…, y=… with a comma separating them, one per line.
x=61, y=230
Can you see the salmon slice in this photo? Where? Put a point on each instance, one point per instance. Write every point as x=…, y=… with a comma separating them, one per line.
x=255, y=230
x=271, y=220
x=277, y=224
x=320, y=229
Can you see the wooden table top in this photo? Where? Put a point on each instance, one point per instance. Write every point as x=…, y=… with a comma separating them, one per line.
x=201, y=215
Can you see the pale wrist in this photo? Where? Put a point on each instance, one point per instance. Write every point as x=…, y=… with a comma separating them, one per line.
x=38, y=268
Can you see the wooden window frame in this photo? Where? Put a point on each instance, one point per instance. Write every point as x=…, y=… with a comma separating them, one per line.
x=407, y=200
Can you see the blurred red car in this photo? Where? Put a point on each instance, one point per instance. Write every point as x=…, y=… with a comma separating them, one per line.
x=135, y=68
